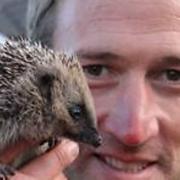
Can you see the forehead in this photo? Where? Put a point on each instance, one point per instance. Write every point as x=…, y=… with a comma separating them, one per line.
x=146, y=12
x=91, y=22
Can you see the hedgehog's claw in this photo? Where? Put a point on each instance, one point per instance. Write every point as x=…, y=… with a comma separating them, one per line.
x=52, y=142
x=48, y=144
x=6, y=171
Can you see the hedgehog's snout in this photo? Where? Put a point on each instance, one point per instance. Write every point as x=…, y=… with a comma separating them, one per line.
x=97, y=141
x=91, y=136
x=96, y=138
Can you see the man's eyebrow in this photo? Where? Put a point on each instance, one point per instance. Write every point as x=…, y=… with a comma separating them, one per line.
x=170, y=60
x=166, y=62
x=97, y=55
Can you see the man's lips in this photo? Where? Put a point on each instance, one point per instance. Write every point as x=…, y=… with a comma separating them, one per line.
x=123, y=160
x=127, y=165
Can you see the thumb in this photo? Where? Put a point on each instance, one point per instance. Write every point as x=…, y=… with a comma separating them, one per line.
x=53, y=162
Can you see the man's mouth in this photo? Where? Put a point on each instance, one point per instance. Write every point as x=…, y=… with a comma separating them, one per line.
x=127, y=167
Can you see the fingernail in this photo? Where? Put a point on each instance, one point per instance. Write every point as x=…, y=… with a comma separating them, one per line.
x=72, y=147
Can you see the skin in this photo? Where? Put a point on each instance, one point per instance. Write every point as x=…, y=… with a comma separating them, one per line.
x=53, y=162
x=130, y=51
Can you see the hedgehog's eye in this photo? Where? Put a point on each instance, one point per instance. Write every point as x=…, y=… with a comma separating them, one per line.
x=76, y=112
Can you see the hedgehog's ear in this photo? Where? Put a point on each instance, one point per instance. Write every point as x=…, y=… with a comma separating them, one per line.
x=45, y=82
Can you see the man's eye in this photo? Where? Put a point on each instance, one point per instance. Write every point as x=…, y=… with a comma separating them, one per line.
x=169, y=79
x=172, y=75
x=100, y=75
x=95, y=70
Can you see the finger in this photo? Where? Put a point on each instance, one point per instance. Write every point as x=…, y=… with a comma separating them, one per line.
x=60, y=177
x=52, y=163
x=20, y=176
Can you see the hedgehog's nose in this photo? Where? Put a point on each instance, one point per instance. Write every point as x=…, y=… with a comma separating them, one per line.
x=94, y=137
x=97, y=141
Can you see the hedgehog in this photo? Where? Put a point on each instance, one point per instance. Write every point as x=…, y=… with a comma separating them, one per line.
x=44, y=95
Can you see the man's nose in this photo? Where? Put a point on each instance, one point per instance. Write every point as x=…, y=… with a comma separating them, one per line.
x=133, y=117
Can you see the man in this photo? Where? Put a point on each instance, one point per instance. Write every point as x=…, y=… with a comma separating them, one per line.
x=130, y=51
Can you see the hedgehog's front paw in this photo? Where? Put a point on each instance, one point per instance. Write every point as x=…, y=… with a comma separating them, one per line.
x=6, y=171
x=52, y=142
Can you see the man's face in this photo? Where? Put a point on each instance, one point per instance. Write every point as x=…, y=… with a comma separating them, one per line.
x=130, y=51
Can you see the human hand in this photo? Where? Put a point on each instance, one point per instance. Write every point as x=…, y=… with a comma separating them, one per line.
x=49, y=166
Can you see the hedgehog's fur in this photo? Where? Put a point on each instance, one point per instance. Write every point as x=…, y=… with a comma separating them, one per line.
x=39, y=89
